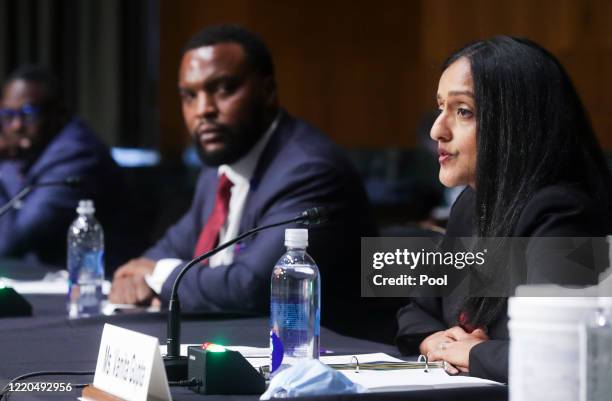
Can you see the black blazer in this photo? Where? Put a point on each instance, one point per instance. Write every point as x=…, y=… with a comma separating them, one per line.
x=554, y=211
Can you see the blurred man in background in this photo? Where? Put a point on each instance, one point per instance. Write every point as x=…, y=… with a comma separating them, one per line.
x=41, y=142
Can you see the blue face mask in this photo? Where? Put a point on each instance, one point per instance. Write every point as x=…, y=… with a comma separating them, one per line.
x=310, y=377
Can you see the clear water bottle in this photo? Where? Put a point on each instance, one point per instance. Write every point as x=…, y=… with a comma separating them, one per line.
x=295, y=307
x=596, y=353
x=85, y=263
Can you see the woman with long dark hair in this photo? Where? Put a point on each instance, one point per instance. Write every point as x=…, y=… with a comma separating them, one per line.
x=513, y=129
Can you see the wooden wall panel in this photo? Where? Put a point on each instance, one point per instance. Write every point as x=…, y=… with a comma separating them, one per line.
x=365, y=72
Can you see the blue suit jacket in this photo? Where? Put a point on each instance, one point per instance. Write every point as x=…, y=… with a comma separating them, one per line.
x=38, y=229
x=299, y=168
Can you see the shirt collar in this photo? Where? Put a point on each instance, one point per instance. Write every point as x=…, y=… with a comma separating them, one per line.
x=241, y=171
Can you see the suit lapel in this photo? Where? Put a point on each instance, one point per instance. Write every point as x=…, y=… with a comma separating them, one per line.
x=254, y=202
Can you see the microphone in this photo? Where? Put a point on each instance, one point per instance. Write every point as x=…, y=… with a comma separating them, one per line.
x=314, y=215
x=71, y=182
x=176, y=366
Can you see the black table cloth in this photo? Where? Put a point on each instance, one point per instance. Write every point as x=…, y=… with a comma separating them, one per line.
x=50, y=341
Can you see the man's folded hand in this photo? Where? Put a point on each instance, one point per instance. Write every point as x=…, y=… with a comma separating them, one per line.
x=129, y=285
x=135, y=267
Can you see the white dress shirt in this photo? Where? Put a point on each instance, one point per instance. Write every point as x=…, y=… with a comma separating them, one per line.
x=240, y=174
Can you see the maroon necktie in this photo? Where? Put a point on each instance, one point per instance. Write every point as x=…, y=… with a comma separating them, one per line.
x=209, y=237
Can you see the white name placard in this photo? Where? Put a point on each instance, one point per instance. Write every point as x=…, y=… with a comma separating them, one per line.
x=130, y=366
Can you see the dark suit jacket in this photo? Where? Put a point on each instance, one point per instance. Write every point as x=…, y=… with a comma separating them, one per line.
x=39, y=227
x=298, y=169
x=554, y=211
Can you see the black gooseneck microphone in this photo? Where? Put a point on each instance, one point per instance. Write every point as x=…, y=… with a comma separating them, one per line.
x=176, y=366
x=69, y=182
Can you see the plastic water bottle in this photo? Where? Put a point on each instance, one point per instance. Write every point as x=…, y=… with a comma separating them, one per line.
x=85, y=263
x=295, y=307
x=596, y=353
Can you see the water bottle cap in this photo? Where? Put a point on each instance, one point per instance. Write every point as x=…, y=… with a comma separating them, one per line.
x=296, y=237
x=86, y=206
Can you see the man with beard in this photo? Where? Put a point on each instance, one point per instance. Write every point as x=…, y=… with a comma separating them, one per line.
x=261, y=166
x=42, y=142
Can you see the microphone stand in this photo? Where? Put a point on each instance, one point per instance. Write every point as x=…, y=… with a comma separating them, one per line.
x=71, y=181
x=175, y=364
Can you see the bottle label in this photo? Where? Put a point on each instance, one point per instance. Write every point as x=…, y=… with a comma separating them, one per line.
x=289, y=337
x=87, y=264
x=277, y=351
x=294, y=316
x=86, y=269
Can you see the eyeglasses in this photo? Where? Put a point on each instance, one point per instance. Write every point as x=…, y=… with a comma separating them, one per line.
x=28, y=114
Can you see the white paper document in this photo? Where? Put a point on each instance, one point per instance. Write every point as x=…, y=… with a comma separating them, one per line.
x=399, y=379
x=407, y=379
x=373, y=380
x=361, y=358
x=52, y=283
